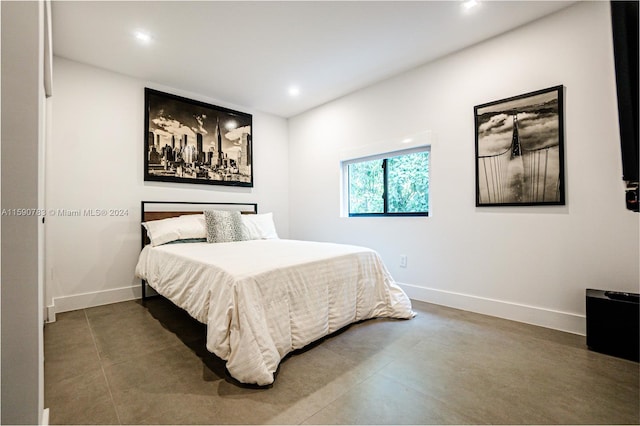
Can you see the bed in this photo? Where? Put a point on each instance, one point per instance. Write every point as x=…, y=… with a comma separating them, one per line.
x=264, y=297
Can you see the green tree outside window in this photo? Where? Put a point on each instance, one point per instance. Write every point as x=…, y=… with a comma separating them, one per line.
x=397, y=185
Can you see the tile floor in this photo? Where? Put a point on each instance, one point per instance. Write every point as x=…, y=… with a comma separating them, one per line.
x=134, y=363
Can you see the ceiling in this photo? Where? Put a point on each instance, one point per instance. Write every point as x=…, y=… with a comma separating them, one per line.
x=249, y=53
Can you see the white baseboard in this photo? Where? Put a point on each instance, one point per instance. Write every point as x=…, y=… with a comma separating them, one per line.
x=89, y=300
x=557, y=320
x=45, y=417
x=51, y=313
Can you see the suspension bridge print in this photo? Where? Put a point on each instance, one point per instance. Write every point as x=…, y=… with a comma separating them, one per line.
x=520, y=150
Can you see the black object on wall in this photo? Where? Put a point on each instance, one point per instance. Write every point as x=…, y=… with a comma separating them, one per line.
x=632, y=197
x=624, y=20
x=612, y=323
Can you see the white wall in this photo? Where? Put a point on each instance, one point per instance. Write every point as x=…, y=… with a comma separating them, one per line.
x=95, y=161
x=531, y=264
x=22, y=49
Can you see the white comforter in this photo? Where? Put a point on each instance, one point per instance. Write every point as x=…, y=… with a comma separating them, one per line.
x=262, y=299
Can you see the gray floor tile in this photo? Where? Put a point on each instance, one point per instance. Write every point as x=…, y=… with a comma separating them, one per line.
x=382, y=400
x=125, y=329
x=81, y=399
x=445, y=366
x=69, y=348
x=496, y=378
x=371, y=337
x=161, y=387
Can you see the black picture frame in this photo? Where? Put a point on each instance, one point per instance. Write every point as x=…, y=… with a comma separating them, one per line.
x=188, y=141
x=520, y=150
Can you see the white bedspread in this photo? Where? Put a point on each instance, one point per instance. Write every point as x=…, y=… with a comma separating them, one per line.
x=262, y=299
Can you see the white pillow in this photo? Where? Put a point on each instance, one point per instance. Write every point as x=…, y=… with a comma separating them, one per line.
x=259, y=226
x=189, y=226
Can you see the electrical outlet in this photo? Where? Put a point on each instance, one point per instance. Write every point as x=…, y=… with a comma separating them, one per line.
x=403, y=260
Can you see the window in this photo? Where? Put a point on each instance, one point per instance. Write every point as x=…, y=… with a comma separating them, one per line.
x=394, y=184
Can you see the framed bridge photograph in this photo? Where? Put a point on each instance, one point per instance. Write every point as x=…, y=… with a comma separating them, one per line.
x=520, y=150
x=188, y=141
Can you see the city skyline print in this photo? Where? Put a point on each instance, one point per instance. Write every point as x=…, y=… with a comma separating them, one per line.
x=189, y=141
x=520, y=150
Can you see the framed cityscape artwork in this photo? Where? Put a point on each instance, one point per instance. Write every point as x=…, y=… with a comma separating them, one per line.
x=520, y=150
x=188, y=141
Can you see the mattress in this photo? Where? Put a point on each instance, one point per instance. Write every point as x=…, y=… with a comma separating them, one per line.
x=262, y=299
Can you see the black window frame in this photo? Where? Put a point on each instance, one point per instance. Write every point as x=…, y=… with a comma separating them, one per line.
x=385, y=158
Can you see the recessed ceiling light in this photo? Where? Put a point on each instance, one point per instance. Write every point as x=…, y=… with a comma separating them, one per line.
x=469, y=4
x=294, y=91
x=143, y=37
x=407, y=140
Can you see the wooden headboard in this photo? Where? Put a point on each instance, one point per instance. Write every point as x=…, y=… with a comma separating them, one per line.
x=157, y=210
x=148, y=216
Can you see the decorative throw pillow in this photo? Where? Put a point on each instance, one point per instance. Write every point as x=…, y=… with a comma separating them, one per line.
x=223, y=226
